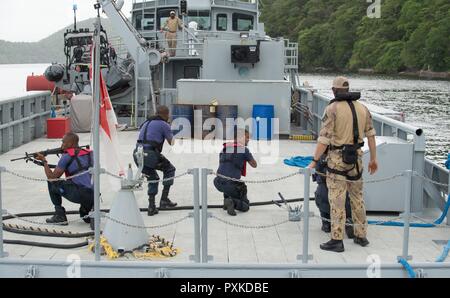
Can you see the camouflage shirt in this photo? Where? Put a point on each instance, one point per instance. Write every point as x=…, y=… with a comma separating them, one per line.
x=337, y=124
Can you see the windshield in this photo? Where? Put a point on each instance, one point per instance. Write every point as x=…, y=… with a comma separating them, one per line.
x=202, y=18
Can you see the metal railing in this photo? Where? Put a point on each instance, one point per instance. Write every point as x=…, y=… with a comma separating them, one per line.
x=290, y=55
x=201, y=218
x=436, y=192
x=22, y=119
x=316, y=104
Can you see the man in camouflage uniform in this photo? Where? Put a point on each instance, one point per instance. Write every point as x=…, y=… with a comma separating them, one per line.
x=171, y=27
x=337, y=130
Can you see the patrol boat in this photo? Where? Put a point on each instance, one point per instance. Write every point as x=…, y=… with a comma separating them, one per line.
x=223, y=58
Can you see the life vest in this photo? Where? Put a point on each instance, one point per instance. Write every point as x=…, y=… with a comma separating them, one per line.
x=227, y=157
x=349, y=151
x=153, y=144
x=74, y=154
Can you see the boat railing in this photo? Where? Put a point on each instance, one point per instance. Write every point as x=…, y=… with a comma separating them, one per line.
x=201, y=223
x=22, y=119
x=248, y=5
x=437, y=185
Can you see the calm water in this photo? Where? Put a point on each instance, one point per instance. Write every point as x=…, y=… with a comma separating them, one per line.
x=13, y=78
x=426, y=103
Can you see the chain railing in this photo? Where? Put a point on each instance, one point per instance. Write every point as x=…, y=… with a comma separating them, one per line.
x=201, y=218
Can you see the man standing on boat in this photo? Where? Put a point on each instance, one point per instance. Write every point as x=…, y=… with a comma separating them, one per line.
x=233, y=164
x=78, y=190
x=152, y=135
x=171, y=26
x=344, y=124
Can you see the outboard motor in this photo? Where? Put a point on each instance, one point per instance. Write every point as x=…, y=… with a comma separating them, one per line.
x=54, y=73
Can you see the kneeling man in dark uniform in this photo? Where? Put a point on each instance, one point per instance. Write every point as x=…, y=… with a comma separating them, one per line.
x=152, y=135
x=233, y=162
x=77, y=190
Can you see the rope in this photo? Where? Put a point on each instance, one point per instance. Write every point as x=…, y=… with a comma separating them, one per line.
x=444, y=254
x=408, y=268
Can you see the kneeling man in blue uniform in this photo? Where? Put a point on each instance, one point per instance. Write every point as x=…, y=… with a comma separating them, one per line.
x=78, y=190
x=233, y=164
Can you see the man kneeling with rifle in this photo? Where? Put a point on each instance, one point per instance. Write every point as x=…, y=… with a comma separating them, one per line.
x=78, y=190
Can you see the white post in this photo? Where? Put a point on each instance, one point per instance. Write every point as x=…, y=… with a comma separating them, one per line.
x=96, y=137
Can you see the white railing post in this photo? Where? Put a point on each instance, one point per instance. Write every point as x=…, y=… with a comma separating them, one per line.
x=2, y=251
x=196, y=215
x=305, y=256
x=406, y=216
x=205, y=214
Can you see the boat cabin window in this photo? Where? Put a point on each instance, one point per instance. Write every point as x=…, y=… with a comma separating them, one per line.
x=202, y=18
x=137, y=20
x=222, y=22
x=148, y=21
x=242, y=22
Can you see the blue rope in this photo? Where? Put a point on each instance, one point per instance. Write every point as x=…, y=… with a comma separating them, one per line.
x=444, y=254
x=408, y=268
x=415, y=225
x=299, y=161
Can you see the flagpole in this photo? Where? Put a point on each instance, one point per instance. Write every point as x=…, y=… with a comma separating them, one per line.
x=96, y=133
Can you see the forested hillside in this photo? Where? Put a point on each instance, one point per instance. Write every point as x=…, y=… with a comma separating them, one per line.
x=338, y=34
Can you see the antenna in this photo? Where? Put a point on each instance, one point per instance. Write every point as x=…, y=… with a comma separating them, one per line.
x=74, y=16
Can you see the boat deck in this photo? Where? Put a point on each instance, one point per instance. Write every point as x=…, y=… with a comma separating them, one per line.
x=227, y=244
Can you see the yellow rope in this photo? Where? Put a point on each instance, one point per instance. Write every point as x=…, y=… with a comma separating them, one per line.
x=157, y=248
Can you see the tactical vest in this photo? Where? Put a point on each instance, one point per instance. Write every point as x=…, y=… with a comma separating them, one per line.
x=153, y=144
x=228, y=157
x=74, y=154
x=349, y=151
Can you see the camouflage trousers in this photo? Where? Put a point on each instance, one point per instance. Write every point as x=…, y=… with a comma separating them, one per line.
x=171, y=42
x=337, y=189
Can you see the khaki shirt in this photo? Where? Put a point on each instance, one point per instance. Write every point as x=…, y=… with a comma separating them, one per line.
x=172, y=25
x=337, y=124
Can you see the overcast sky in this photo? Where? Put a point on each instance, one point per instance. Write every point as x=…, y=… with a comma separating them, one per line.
x=33, y=20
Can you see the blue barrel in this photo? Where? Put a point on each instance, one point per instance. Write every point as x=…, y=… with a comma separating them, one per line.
x=262, y=122
x=225, y=112
x=182, y=120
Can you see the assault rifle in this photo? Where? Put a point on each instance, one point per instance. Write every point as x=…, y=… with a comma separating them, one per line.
x=32, y=156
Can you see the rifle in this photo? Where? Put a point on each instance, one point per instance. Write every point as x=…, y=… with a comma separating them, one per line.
x=32, y=156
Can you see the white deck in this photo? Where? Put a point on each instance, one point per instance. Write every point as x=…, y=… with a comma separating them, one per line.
x=280, y=244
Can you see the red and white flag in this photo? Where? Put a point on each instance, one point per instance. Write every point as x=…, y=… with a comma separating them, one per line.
x=109, y=140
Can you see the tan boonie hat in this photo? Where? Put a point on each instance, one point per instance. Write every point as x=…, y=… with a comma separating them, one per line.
x=341, y=83
x=172, y=12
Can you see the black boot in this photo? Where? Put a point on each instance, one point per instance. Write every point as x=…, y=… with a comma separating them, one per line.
x=326, y=226
x=333, y=245
x=84, y=212
x=224, y=200
x=361, y=241
x=59, y=217
x=229, y=204
x=165, y=201
x=152, y=210
x=349, y=229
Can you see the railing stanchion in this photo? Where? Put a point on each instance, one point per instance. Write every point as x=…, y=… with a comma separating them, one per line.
x=205, y=215
x=407, y=216
x=2, y=251
x=305, y=256
x=196, y=215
